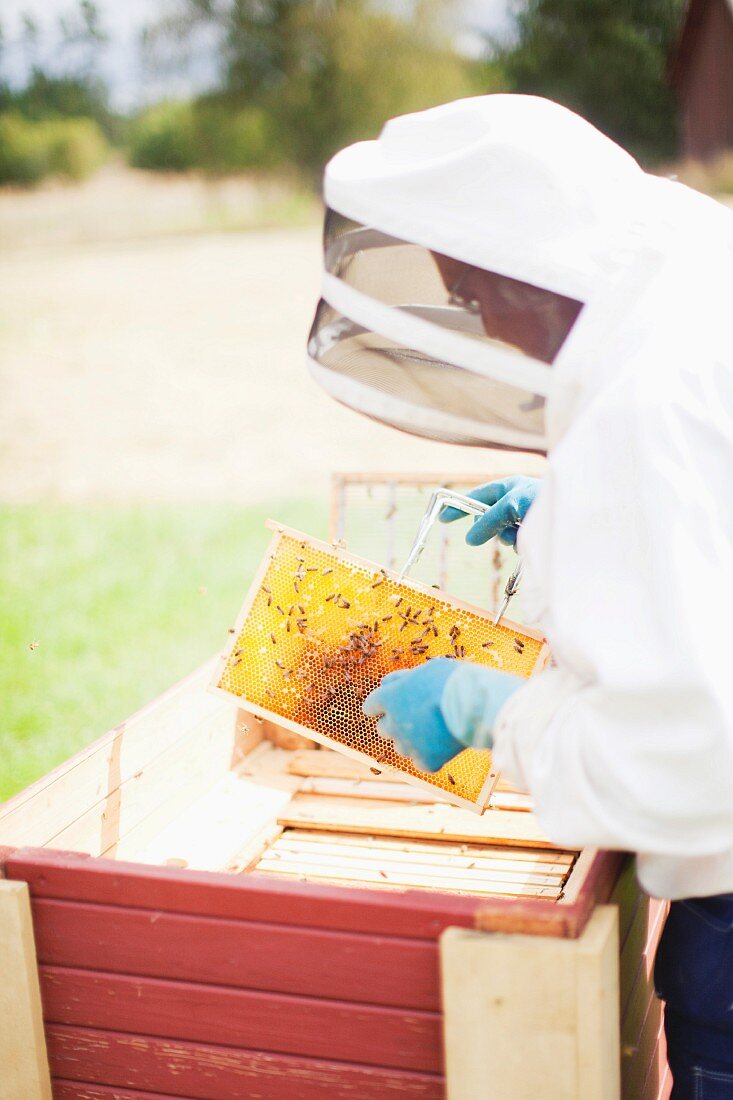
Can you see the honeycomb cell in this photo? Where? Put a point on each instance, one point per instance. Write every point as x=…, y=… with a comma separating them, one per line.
x=321, y=630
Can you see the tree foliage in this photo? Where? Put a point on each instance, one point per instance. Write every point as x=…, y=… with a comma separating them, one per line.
x=64, y=82
x=605, y=59
x=54, y=122
x=325, y=72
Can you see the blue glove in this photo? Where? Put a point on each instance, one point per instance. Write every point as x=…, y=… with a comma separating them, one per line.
x=510, y=498
x=436, y=710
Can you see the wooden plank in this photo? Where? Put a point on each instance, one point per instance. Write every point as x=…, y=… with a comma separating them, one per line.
x=327, y=764
x=314, y=1027
x=23, y=1063
x=665, y=1090
x=367, y=968
x=391, y=819
x=597, y=995
x=441, y=869
x=167, y=784
x=528, y=861
x=658, y=1083
x=209, y=1072
x=512, y=1014
x=626, y=895
x=77, y=1090
x=497, y=465
x=212, y=828
x=39, y=813
x=637, y=961
x=636, y=1060
x=360, y=788
x=399, y=792
x=64, y=875
x=401, y=877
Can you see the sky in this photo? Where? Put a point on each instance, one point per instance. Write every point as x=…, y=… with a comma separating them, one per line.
x=123, y=19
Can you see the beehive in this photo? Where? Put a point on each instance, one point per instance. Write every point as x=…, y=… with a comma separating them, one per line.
x=320, y=629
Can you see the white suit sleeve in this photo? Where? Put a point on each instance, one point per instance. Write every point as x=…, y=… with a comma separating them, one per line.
x=628, y=742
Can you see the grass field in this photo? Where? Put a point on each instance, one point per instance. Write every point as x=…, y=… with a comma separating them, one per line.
x=122, y=602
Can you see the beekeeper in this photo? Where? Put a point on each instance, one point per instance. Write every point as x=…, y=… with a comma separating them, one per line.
x=499, y=273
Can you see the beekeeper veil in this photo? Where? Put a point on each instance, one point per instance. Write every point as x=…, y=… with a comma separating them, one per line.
x=468, y=252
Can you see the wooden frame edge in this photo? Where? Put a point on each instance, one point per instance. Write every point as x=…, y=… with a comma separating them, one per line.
x=23, y=1054
x=566, y=918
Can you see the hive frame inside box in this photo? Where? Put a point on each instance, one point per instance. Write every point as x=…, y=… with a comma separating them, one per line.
x=423, y=590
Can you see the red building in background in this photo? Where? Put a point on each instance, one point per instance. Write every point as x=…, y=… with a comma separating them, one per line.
x=702, y=73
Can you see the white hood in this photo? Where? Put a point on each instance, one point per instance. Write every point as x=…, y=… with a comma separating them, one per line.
x=521, y=189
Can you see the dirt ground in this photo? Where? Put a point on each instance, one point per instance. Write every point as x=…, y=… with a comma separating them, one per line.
x=171, y=368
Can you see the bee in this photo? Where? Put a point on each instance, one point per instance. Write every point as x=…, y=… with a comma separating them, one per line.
x=273, y=639
x=451, y=780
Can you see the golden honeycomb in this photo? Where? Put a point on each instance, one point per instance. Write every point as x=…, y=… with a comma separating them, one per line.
x=319, y=631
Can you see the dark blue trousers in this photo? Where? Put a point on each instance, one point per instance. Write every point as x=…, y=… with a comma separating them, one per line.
x=694, y=977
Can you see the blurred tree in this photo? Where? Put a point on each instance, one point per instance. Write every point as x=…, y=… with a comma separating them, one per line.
x=605, y=59
x=324, y=72
x=66, y=83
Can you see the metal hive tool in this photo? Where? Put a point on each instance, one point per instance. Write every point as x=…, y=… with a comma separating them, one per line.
x=321, y=627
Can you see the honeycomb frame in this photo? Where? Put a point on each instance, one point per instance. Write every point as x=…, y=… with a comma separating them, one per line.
x=320, y=627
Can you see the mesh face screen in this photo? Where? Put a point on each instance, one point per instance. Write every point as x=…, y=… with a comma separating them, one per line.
x=405, y=388
x=322, y=629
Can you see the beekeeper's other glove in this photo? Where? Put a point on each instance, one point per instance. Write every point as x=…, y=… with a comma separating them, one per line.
x=510, y=500
x=438, y=709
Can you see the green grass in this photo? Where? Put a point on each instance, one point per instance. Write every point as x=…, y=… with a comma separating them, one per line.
x=123, y=601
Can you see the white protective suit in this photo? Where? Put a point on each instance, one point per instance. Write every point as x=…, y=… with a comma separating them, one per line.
x=628, y=742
